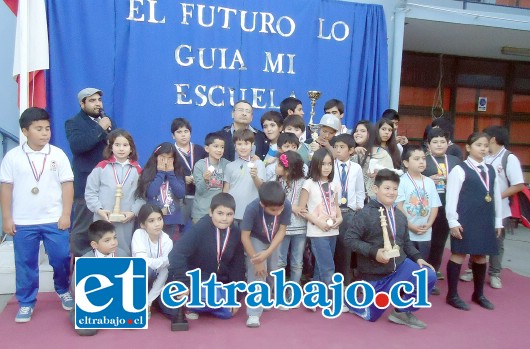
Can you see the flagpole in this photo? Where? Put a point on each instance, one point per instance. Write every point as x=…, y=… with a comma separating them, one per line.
x=23, y=12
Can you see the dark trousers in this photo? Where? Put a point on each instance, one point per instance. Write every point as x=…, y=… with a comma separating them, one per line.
x=82, y=218
x=440, y=233
x=343, y=254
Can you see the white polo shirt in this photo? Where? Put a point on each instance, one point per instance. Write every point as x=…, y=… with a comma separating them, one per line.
x=19, y=167
x=514, y=172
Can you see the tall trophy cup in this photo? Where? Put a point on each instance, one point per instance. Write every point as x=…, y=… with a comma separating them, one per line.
x=389, y=251
x=116, y=215
x=313, y=96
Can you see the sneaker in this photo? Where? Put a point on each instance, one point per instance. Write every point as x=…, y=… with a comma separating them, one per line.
x=283, y=308
x=190, y=315
x=24, y=314
x=253, y=321
x=407, y=319
x=495, y=282
x=67, y=301
x=439, y=275
x=345, y=309
x=435, y=291
x=467, y=276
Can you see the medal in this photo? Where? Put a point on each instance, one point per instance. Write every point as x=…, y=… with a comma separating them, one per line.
x=329, y=222
x=485, y=182
x=343, y=183
x=183, y=155
x=343, y=201
x=250, y=165
x=269, y=234
x=221, y=247
x=423, y=212
x=36, y=174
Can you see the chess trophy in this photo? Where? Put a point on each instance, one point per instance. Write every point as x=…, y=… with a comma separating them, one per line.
x=313, y=96
x=116, y=215
x=389, y=251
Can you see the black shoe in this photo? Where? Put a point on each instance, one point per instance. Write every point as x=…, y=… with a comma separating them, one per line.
x=179, y=322
x=457, y=303
x=483, y=302
x=435, y=291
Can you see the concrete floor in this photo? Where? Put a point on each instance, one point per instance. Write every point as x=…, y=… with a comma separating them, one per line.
x=516, y=257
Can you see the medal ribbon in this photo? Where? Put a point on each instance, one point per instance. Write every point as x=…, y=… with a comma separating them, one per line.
x=183, y=154
x=293, y=188
x=486, y=182
x=164, y=193
x=36, y=174
x=124, y=178
x=417, y=188
x=270, y=235
x=327, y=204
x=221, y=250
x=438, y=166
x=392, y=222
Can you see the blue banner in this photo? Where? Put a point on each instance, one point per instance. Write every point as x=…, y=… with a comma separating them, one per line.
x=157, y=60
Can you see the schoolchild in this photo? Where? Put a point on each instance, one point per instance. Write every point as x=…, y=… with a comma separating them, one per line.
x=295, y=124
x=243, y=176
x=120, y=169
x=386, y=139
x=349, y=177
x=188, y=155
x=272, y=124
x=36, y=193
x=365, y=237
x=472, y=191
x=262, y=230
x=208, y=175
x=336, y=107
x=153, y=244
x=162, y=183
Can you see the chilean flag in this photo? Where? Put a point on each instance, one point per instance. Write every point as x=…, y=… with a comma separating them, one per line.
x=31, y=51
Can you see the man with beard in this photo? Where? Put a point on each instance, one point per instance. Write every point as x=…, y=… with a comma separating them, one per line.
x=87, y=135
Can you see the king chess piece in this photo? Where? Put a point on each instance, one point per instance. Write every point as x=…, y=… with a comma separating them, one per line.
x=389, y=251
x=116, y=215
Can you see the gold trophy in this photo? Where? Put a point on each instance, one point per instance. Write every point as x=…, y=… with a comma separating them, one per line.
x=116, y=215
x=388, y=250
x=313, y=96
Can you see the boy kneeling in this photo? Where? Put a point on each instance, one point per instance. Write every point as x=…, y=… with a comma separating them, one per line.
x=365, y=237
x=214, y=246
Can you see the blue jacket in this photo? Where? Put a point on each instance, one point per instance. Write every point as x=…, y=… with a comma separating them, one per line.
x=87, y=141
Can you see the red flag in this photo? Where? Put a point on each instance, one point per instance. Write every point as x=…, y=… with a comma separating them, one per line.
x=31, y=50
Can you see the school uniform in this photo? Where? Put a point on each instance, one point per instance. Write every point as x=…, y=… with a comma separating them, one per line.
x=466, y=200
x=349, y=177
x=100, y=193
x=37, y=178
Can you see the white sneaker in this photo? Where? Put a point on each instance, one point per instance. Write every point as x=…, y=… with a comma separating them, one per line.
x=495, y=282
x=190, y=315
x=283, y=308
x=345, y=309
x=467, y=276
x=253, y=321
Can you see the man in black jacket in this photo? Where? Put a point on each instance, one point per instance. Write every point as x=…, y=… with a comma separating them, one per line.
x=365, y=237
x=242, y=114
x=87, y=135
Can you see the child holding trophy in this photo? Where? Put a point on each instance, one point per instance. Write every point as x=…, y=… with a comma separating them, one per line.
x=385, y=254
x=111, y=186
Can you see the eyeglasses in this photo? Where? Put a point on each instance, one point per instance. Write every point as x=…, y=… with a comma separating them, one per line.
x=241, y=110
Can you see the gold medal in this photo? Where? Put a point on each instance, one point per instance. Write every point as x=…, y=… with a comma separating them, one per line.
x=343, y=201
x=487, y=197
x=35, y=191
x=423, y=212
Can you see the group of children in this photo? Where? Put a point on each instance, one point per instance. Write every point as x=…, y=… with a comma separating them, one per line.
x=256, y=214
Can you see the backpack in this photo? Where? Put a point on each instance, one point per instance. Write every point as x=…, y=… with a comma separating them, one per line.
x=519, y=202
